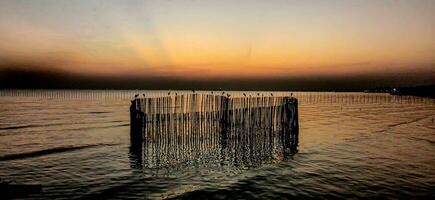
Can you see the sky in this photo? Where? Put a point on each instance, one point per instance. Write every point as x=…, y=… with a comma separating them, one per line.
x=213, y=40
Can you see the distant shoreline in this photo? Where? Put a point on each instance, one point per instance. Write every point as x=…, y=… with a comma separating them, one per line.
x=421, y=91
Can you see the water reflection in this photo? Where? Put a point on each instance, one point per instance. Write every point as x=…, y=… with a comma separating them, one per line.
x=229, y=147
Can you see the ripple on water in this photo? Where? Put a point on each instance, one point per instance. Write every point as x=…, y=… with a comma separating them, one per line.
x=351, y=145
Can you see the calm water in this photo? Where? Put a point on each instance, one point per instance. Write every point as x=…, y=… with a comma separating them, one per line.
x=351, y=145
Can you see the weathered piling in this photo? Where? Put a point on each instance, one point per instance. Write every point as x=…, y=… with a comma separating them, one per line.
x=137, y=121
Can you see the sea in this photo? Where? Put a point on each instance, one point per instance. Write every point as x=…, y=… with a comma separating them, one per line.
x=76, y=144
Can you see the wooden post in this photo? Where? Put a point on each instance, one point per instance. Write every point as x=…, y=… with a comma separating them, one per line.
x=136, y=122
x=295, y=123
x=225, y=110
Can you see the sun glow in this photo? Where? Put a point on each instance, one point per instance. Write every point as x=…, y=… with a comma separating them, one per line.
x=210, y=39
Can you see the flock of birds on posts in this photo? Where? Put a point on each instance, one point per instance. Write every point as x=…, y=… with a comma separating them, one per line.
x=223, y=93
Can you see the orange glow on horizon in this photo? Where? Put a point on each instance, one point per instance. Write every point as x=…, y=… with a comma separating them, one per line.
x=222, y=43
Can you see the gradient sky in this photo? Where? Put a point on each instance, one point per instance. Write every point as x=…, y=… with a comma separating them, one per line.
x=204, y=39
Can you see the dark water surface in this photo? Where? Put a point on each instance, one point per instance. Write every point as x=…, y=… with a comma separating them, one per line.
x=351, y=145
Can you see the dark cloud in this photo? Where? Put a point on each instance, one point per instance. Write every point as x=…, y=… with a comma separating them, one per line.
x=28, y=76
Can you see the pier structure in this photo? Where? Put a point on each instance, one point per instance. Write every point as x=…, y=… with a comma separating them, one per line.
x=150, y=116
x=207, y=129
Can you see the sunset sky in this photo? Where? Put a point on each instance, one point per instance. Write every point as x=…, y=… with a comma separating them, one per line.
x=211, y=39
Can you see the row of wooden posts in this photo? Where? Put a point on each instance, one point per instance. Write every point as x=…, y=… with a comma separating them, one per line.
x=175, y=114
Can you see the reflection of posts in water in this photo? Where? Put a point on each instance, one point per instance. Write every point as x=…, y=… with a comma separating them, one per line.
x=206, y=129
x=234, y=147
x=136, y=154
